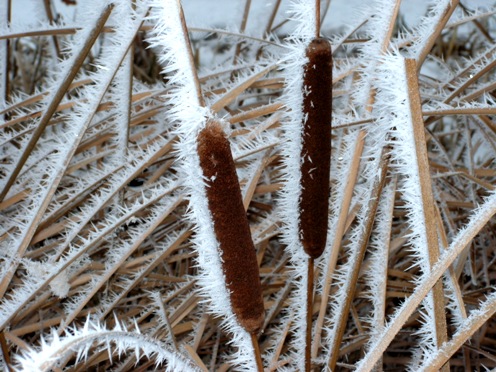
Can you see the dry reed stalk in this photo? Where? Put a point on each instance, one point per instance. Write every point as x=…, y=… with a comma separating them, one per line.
x=54, y=103
x=339, y=233
x=440, y=361
x=351, y=283
x=448, y=11
x=464, y=238
x=5, y=351
x=427, y=197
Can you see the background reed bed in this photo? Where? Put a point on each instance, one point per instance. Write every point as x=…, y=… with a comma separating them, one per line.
x=109, y=253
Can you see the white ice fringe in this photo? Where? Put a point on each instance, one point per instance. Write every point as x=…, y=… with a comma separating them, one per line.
x=484, y=312
x=170, y=42
x=378, y=15
x=288, y=203
x=393, y=105
x=303, y=13
x=379, y=250
x=376, y=140
x=78, y=121
x=81, y=340
x=484, y=212
x=427, y=27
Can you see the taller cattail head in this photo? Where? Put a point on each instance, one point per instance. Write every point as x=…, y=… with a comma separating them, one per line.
x=316, y=147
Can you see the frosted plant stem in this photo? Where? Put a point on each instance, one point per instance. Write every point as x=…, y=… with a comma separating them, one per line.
x=49, y=13
x=242, y=29
x=187, y=44
x=317, y=18
x=256, y=348
x=468, y=328
x=52, y=107
x=448, y=11
x=5, y=11
x=336, y=244
x=351, y=282
x=33, y=225
x=308, y=343
x=477, y=221
x=429, y=213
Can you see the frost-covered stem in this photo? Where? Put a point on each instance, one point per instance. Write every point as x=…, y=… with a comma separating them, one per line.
x=387, y=37
x=308, y=341
x=427, y=199
x=317, y=18
x=378, y=269
x=477, y=222
x=191, y=59
x=52, y=107
x=28, y=234
x=117, y=262
x=336, y=244
x=444, y=17
x=440, y=359
x=49, y=13
x=5, y=14
x=165, y=319
x=125, y=78
x=242, y=29
x=351, y=282
x=81, y=341
x=258, y=355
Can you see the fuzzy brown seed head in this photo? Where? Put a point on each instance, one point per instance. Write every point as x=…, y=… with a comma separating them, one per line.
x=231, y=227
x=316, y=149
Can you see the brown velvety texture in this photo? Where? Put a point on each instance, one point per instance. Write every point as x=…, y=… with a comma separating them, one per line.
x=316, y=151
x=239, y=261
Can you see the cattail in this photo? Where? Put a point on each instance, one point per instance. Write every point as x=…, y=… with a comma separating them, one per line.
x=239, y=262
x=316, y=147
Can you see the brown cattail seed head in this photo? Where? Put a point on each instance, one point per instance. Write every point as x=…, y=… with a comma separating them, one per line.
x=239, y=261
x=316, y=149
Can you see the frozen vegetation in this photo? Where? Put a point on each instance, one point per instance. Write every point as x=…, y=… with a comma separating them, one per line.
x=165, y=197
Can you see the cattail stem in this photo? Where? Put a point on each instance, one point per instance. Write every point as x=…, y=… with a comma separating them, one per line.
x=308, y=344
x=317, y=18
x=231, y=228
x=258, y=355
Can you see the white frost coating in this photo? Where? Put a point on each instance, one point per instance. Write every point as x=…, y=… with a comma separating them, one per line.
x=393, y=104
x=77, y=121
x=375, y=141
x=303, y=13
x=81, y=340
x=379, y=252
x=293, y=66
x=421, y=34
x=378, y=14
x=484, y=313
x=3, y=55
x=464, y=236
x=186, y=111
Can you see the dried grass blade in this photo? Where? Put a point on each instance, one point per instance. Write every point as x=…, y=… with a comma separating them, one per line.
x=476, y=223
x=54, y=103
x=351, y=282
x=426, y=194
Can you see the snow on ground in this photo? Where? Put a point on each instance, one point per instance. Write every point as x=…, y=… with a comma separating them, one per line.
x=227, y=13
